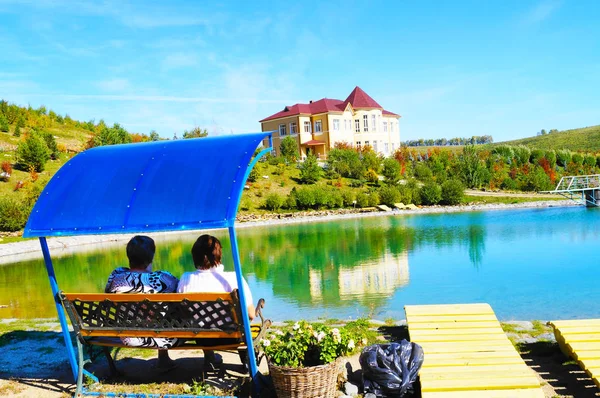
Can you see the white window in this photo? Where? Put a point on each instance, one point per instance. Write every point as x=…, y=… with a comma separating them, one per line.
x=386, y=148
x=293, y=128
x=307, y=127
x=385, y=127
x=358, y=144
x=373, y=123
x=391, y=127
x=393, y=147
x=366, y=143
x=366, y=123
x=318, y=126
x=357, y=125
x=374, y=143
x=281, y=130
x=336, y=124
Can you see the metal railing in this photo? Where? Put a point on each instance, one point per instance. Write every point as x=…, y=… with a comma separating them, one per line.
x=578, y=183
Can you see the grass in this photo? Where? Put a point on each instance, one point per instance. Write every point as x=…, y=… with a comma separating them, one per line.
x=582, y=139
x=10, y=387
x=473, y=199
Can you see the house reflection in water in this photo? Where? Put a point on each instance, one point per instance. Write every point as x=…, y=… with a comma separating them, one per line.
x=369, y=280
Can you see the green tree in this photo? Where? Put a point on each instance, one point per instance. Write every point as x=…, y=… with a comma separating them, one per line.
x=431, y=193
x=453, y=192
x=472, y=169
x=391, y=171
x=33, y=152
x=154, y=136
x=274, y=202
x=109, y=136
x=310, y=171
x=50, y=143
x=389, y=195
x=289, y=149
x=196, y=132
x=346, y=162
x=13, y=215
x=3, y=123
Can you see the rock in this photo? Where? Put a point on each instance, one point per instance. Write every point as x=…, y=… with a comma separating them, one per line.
x=370, y=395
x=521, y=325
x=350, y=389
x=547, y=336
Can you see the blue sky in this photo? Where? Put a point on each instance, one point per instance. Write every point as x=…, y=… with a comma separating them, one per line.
x=450, y=68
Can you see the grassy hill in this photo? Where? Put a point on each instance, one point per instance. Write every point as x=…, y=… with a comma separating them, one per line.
x=585, y=139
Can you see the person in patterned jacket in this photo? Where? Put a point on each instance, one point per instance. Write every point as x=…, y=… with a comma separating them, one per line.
x=140, y=278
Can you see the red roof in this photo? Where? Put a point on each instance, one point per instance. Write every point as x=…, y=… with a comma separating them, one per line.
x=357, y=98
x=388, y=113
x=313, y=143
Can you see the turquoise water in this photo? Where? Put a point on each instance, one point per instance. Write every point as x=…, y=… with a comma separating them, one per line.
x=528, y=264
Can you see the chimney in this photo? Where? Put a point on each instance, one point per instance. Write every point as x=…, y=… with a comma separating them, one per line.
x=310, y=102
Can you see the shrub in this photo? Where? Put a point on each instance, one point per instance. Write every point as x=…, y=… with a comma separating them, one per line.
x=17, y=132
x=346, y=162
x=274, y=202
x=431, y=193
x=453, y=192
x=551, y=157
x=537, y=180
x=305, y=198
x=522, y=153
x=506, y=152
x=51, y=144
x=7, y=167
x=536, y=155
x=310, y=171
x=362, y=200
x=275, y=160
x=563, y=157
x=598, y=160
x=33, y=152
x=3, y=123
x=389, y=195
x=336, y=199
x=348, y=197
x=577, y=158
x=391, y=171
x=289, y=149
x=589, y=160
x=253, y=176
x=322, y=197
x=374, y=199
x=509, y=184
x=290, y=202
x=422, y=172
x=371, y=176
x=13, y=215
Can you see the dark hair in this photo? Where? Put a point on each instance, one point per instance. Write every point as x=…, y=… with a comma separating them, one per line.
x=140, y=251
x=206, y=252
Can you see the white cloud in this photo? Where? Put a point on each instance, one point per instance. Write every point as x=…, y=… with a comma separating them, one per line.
x=179, y=60
x=113, y=85
x=541, y=12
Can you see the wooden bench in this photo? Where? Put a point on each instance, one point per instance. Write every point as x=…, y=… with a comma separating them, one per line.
x=207, y=321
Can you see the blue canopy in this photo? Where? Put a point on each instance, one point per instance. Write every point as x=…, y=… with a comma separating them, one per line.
x=156, y=186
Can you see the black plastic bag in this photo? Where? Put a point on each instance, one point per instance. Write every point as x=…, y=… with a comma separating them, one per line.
x=389, y=370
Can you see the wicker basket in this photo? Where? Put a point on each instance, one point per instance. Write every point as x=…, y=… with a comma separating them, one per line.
x=311, y=382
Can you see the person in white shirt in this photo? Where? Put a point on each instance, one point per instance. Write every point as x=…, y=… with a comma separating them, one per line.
x=210, y=277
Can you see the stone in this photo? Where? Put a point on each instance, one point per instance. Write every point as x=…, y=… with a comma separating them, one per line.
x=521, y=325
x=547, y=336
x=370, y=395
x=350, y=389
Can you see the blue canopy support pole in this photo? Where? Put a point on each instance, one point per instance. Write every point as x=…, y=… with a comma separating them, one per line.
x=61, y=314
x=247, y=331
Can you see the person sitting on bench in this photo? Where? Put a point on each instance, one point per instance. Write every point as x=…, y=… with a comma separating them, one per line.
x=140, y=278
x=210, y=277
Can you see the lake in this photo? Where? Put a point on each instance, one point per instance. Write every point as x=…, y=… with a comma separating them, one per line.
x=528, y=264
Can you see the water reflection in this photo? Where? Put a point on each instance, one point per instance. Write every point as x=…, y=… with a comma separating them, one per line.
x=351, y=266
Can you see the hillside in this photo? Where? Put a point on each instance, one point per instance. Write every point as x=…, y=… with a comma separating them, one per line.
x=585, y=139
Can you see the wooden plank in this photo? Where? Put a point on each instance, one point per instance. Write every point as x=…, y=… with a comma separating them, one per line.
x=575, y=323
x=448, y=309
x=519, y=393
x=444, y=320
x=465, y=347
x=581, y=337
x=585, y=355
x=475, y=368
x=450, y=361
x=155, y=297
x=454, y=326
x=491, y=337
x=487, y=376
x=584, y=346
x=477, y=383
x=457, y=332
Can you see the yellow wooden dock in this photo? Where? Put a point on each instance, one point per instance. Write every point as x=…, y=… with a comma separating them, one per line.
x=580, y=340
x=467, y=354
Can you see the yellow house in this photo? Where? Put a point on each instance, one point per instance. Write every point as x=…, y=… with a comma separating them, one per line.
x=319, y=125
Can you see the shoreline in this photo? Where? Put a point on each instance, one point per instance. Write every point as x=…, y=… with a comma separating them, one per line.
x=60, y=246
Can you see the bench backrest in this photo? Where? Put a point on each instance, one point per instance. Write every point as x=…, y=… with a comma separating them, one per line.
x=183, y=315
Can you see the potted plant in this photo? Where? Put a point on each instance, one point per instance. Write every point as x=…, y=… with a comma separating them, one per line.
x=305, y=359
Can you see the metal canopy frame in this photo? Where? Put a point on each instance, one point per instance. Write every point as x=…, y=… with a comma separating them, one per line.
x=71, y=219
